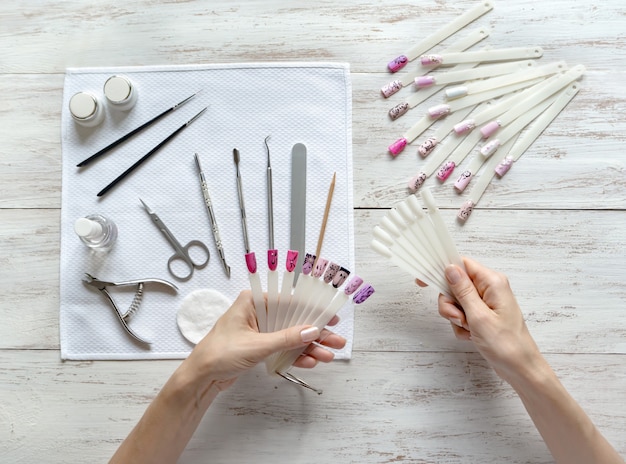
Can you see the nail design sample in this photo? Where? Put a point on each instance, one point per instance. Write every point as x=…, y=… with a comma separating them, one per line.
x=398, y=110
x=466, y=210
x=307, y=265
x=445, y=170
x=363, y=294
x=417, y=181
x=427, y=146
x=489, y=129
x=504, y=166
x=251, y=262
x=438, y=111
x=398, y=63
x=424, y=81
x=396, y=147
x=389, y=89
x=464, y=126
x=351, y=286
x=489, y=148
x=340, y=277
x=428, y=60
x=456, y=92
x=319, y=267
x=331, y=272
x=463, y=180
x=272, y=259
x=292, y=259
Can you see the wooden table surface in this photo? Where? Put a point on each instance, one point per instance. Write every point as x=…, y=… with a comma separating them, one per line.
x=411, y=393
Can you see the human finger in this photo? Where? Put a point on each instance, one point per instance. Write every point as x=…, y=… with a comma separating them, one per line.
x=305, y=362
x=464, y=291
x=449, y=309
x=334, y=321
x=331, y=340
x=319, y=353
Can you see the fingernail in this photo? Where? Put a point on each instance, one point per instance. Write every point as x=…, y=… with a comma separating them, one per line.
x=456, y=321
x=453, y=275
x=310, y=334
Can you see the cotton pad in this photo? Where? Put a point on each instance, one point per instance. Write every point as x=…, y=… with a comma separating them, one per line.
x=199, y=311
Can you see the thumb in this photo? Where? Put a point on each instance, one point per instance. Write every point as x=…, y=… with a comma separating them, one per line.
x=463, y=290
x=291, y=338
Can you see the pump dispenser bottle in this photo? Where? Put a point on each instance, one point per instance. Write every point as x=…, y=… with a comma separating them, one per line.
x=97, y=232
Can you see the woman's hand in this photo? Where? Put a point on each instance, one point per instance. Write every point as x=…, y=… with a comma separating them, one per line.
x=486, y=312
x=234, y=344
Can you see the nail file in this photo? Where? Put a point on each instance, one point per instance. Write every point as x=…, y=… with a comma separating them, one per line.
x=500, y=54
x=499, y=81
x=501, y=164
x=468, y=41
x=298, y=202
x=444, y=32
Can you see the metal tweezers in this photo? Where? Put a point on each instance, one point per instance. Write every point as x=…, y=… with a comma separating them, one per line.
x=134, y=306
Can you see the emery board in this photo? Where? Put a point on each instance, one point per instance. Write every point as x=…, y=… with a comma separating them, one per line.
x=298, y=202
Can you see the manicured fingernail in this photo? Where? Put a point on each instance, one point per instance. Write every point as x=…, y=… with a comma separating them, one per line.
x=310, y=334
x=398, y=110
x=307, y=265
x=504, y=166
x=292, y=259
x=272, y=259
x=330, y=273
x=319, y=267
x=352, y=285
x=453, y=275
x=391, y=88
x=340, y=277
x=456, y=321
x=398, y=63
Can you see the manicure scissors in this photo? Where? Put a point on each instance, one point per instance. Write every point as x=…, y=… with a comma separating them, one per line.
x=181, y=253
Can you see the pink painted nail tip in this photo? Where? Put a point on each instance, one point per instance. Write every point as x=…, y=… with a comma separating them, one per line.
x=428, y=60
x=438, y=111
x=489, y=148
x=396, y=147
x=319, y=267
x=466, y=210
x=307, y=265
x=389, y=89
x=251, y=262
x=427, y=146
x=398, y=63
x=398, y=110
x=445, y=170
x=292, y=259
x=463, y=180
x=424, y=81
x=464, y=126
x=504, y=166
x=489, y=129
x=331, y=272
x=354, y=283
x=363, y=294
x=417, y=181
x=272, y=259
x=340, y=277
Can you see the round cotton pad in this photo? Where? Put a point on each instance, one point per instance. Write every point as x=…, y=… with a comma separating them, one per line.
x=199, y=311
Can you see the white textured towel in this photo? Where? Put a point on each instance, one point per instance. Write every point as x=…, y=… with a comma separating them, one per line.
x=307, y=103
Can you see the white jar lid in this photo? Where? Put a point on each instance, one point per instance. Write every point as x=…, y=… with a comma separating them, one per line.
x=87, y=228
x=118, y=89
x=83, y=105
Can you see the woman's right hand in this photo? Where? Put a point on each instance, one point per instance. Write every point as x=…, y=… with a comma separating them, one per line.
x=486, y=312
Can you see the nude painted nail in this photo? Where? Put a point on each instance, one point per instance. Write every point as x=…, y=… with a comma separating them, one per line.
x=427, y=146
x=445, y=170
x=340, y=277
x=398, y=110
x=396, y=147
x=330, y=273
x=292, y=259
x=363, y=294
x=424, y=81
x=398, y=63
x=319, y=267
x=307, y=265
x=310, y=334
x=352, y=285
x=489, y=129
x=466, y=210
x=438, y=111
x=504, y=166
x=417, y=181
x=463, y=180
x=389, y=89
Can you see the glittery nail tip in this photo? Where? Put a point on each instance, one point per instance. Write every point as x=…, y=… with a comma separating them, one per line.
x=396, y=147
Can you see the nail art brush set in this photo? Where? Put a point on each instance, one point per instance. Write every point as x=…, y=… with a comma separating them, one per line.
x=502, y=90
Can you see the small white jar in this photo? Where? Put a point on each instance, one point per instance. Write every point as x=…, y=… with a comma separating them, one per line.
x=120, y=93
x=86, y=109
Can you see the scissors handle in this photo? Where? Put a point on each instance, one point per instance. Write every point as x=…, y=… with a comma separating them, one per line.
x=183, y=254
